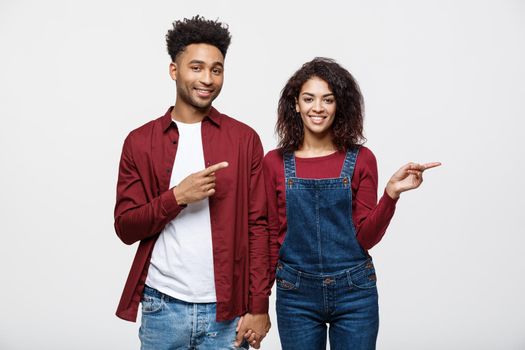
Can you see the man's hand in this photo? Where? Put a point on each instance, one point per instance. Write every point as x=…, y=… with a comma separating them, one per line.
x=197, y=186
x=253, y=328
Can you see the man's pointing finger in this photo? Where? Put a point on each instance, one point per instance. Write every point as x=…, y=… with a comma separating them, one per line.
x=213, y=168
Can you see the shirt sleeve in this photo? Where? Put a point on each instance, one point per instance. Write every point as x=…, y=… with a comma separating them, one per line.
x=136, y=218
x=273, y=214
x=371, y=218
x=258, y=231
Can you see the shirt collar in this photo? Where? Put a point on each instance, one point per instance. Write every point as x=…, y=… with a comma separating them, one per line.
x=214, y=116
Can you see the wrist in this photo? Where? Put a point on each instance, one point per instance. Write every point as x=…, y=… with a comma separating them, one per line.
x=392, y=191
x=179, y=197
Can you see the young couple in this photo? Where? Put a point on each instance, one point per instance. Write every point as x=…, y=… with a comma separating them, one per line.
x=218, y=222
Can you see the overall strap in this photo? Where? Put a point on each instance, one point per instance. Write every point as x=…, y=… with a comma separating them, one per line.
x=349, y=163
x=289, y=165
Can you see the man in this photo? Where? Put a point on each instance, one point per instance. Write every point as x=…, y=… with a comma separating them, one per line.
x=191, y=190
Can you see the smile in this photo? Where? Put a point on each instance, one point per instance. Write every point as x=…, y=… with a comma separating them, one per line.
x=316, y=119
x=204, y=92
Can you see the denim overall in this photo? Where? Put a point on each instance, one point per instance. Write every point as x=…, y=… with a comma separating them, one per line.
x=323, y=275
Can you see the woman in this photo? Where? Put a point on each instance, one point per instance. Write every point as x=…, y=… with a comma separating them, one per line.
x=323, y=217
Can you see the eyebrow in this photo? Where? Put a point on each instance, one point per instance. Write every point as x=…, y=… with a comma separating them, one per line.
x=310, y=94
x=202, y=62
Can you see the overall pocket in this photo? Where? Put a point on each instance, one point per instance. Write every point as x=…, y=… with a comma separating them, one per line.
x=364, y=277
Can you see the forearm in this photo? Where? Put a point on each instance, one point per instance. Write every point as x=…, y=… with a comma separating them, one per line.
x=274, y=256
x=259, y=253
x=372, y=228
x=140, y=222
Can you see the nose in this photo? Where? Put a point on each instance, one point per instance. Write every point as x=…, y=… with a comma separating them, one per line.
x=206, y=77
x=318, y=106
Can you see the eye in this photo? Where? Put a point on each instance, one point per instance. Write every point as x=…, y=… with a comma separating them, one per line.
x=217, y=71
x=195, y=68
x=308, y=99
x=329, y=100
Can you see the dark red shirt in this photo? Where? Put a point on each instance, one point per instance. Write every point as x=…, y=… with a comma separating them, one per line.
x=370, y=218
x=145, y=204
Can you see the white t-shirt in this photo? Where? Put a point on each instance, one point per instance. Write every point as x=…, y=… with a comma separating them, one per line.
x=182, y=259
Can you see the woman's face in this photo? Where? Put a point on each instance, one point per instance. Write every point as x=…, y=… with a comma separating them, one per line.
x=316, y=104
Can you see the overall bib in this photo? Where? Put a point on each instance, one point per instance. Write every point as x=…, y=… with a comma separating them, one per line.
x=323, y=275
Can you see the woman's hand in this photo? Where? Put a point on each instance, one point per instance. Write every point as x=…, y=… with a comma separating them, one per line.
x=407, y=178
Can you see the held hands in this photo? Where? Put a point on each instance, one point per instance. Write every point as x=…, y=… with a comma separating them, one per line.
x=408, y=177
x=253, y=328
x=197, y=186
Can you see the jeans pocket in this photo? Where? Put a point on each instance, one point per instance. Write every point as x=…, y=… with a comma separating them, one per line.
x=363, y=278
x=284, y=284
x=151, y=304
x=286, y=280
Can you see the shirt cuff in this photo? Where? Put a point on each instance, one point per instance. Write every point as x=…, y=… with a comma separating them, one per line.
x=169, y=203
x=259, y=304
x=389, y=200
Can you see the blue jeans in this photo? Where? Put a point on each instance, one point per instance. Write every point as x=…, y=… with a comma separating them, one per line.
x=347, y=301
x=170, y=324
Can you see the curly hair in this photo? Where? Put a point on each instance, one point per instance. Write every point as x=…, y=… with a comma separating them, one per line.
x=347, y=128
x=197, y=30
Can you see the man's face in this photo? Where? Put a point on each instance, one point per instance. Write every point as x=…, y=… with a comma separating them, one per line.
x=199, y=73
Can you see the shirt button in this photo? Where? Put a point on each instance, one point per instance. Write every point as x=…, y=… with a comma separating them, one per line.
x=345, y=181
x=174, y=142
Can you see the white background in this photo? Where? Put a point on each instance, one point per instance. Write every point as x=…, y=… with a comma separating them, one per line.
x=442, y=80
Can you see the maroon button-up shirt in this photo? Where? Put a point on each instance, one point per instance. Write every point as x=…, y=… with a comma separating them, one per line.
x=145, y=204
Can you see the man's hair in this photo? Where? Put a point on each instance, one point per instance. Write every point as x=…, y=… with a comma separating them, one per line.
x=347, y=128
x=197, y=30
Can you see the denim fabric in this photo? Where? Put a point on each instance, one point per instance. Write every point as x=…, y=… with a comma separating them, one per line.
x=347, y=301
x=324, y=276
x=172, y=324
x=320, y=236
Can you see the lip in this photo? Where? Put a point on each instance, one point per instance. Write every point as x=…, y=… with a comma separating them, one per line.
x=316, y=119
x=204, y=93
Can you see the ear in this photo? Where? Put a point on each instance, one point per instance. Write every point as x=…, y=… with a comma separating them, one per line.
x=173, y=71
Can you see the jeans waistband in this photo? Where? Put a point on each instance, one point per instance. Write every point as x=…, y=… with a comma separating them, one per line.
x=334, y=275
x=165, y=297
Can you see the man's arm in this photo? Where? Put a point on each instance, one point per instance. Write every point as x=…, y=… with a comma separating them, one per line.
x=258, y=235
x=135, y=217
x=257, y=319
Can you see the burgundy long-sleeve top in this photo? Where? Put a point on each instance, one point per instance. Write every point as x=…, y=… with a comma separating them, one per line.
x=145, y=204
x=370, y=218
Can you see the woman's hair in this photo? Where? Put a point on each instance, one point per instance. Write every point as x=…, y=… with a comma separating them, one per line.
x=347, y=128
x=197, y=30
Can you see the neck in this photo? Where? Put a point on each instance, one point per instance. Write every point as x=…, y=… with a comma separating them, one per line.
x=313, y=146
x=188, y=114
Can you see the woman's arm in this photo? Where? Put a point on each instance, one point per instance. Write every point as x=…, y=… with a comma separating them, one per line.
x=270, y=182
x=371, y=219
